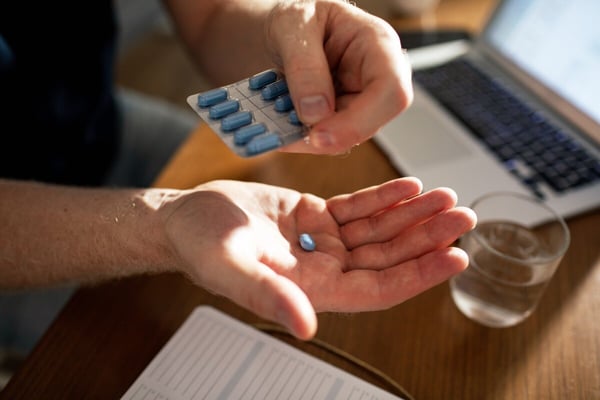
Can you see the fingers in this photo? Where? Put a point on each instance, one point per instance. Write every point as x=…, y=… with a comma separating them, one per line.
x=384, y=226
x=357, y=120
x=296, y=34
x=440, y=231
x=369, y=93
x=327, y=47
x=367, y=202
x=365, y=290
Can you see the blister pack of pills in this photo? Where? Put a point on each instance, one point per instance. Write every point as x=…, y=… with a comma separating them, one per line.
x=252, y=116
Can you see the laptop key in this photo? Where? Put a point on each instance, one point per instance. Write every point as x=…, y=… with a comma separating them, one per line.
x=510, y=128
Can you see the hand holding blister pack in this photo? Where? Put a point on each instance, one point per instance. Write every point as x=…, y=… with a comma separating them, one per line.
x=252, y=116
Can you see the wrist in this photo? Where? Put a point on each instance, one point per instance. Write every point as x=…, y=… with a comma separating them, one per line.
x=154, y=206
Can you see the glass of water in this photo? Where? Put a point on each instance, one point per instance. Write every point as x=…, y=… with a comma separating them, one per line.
x=513, y=253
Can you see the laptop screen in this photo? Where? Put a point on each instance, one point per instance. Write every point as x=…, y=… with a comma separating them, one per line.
x=556, y=41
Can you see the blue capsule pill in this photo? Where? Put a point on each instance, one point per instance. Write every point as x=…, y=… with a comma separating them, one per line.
x=307, y=242
x=222, y=109
x=244, y=134
x=236, y=120
x=274, y=90
x=284, y=103
x=259, y=81
x=264, y=143
x=212, y=97
x=293, y=118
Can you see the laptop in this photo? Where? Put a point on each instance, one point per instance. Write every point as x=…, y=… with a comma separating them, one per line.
x=515, y=109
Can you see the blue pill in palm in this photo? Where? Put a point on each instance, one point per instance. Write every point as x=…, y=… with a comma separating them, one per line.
x=307, y=242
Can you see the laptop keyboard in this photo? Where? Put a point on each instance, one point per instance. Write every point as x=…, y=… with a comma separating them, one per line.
x=528, y=145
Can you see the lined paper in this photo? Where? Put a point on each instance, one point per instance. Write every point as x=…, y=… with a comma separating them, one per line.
x=214, y=356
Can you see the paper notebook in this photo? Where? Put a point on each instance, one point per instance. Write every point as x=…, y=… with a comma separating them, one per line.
x=213, y=356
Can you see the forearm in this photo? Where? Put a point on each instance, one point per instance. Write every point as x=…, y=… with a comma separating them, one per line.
x=55, y=234
x=225, y=37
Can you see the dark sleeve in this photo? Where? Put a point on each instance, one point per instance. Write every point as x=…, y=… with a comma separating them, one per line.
x=59, y=119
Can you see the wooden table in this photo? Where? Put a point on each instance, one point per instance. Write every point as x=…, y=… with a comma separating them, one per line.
x=106, y=335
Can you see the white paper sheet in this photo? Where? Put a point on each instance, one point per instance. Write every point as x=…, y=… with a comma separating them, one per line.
x=213, y=356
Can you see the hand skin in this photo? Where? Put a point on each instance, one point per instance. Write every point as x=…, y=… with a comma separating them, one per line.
x=346, y=71
x=375, y=248
x=345, y=68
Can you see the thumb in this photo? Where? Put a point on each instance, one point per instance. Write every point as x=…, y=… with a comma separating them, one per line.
x=296, y=36
x=277, y=298
x=293, y=309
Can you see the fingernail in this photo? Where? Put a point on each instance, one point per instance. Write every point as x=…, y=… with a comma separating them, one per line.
x=284, y=319
x=321, y=139
x=313, y=109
